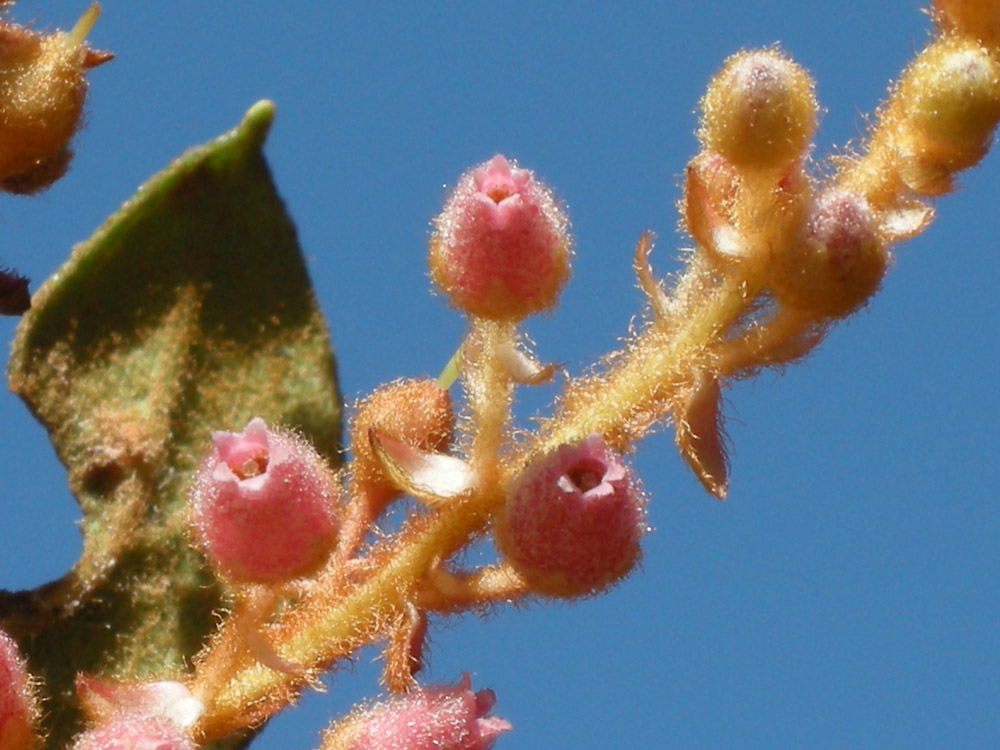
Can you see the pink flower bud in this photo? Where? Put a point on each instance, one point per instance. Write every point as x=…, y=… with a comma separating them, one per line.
x=500, y=247
x=439, y=718
x=839, y=260
x=572, y=523
x=264, y=505
x=18, y=704
x=136, y=715
x=165, y=699
x=135, y=733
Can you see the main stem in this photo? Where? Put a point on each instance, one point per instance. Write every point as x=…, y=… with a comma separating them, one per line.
x=329, y=625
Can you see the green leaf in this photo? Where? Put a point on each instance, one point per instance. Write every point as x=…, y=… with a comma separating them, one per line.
x=189, y=310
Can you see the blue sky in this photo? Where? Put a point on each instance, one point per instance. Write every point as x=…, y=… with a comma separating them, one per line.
x=845, y=594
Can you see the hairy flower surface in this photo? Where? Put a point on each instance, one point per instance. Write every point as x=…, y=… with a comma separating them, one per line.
x=139, y=715
x=438, y=718
x=264, y=505
x=949, y=106
x=135, y=733
x=500, y=248
x=42, y=90
x=18, y=706
x=572, y=523
x=759, y=110
x=167, y=699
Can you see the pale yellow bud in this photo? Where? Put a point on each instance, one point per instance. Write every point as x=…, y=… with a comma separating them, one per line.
x=950, y=104
x=759, y=111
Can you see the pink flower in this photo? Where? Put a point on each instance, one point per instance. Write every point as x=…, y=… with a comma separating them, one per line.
x=166, y=699
x=500, y=248
x=439, y=718
x=18, y=705
x=135, y=733
x=264, y=505
x=136, y=715
x=572, y=523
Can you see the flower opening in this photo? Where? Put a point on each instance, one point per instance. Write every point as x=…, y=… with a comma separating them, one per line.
x=500, y=248
x=572, y=523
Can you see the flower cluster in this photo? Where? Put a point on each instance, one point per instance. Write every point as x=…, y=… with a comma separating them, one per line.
x=780, y=254
x=310, y=564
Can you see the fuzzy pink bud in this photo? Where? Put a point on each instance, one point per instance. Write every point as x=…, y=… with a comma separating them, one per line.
x=264, y=505
x=167, y=699
x=438, y=718
x=136, y=715
x=839, y=260
x=135, y=733
x=18, y=704
x=573, y=521
x=500, y=248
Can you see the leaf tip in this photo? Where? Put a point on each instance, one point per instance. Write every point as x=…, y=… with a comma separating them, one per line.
x=257, y=121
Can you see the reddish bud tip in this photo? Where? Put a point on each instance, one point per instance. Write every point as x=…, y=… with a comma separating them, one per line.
x=839, y=261
x=264, y=505
x=438, y=718
x=500, y=248
x=572, y=522
x=14, y=296
x=18, y=703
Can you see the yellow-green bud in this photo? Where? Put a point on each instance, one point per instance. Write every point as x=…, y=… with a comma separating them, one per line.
x=950, y=99
x=759, y=110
